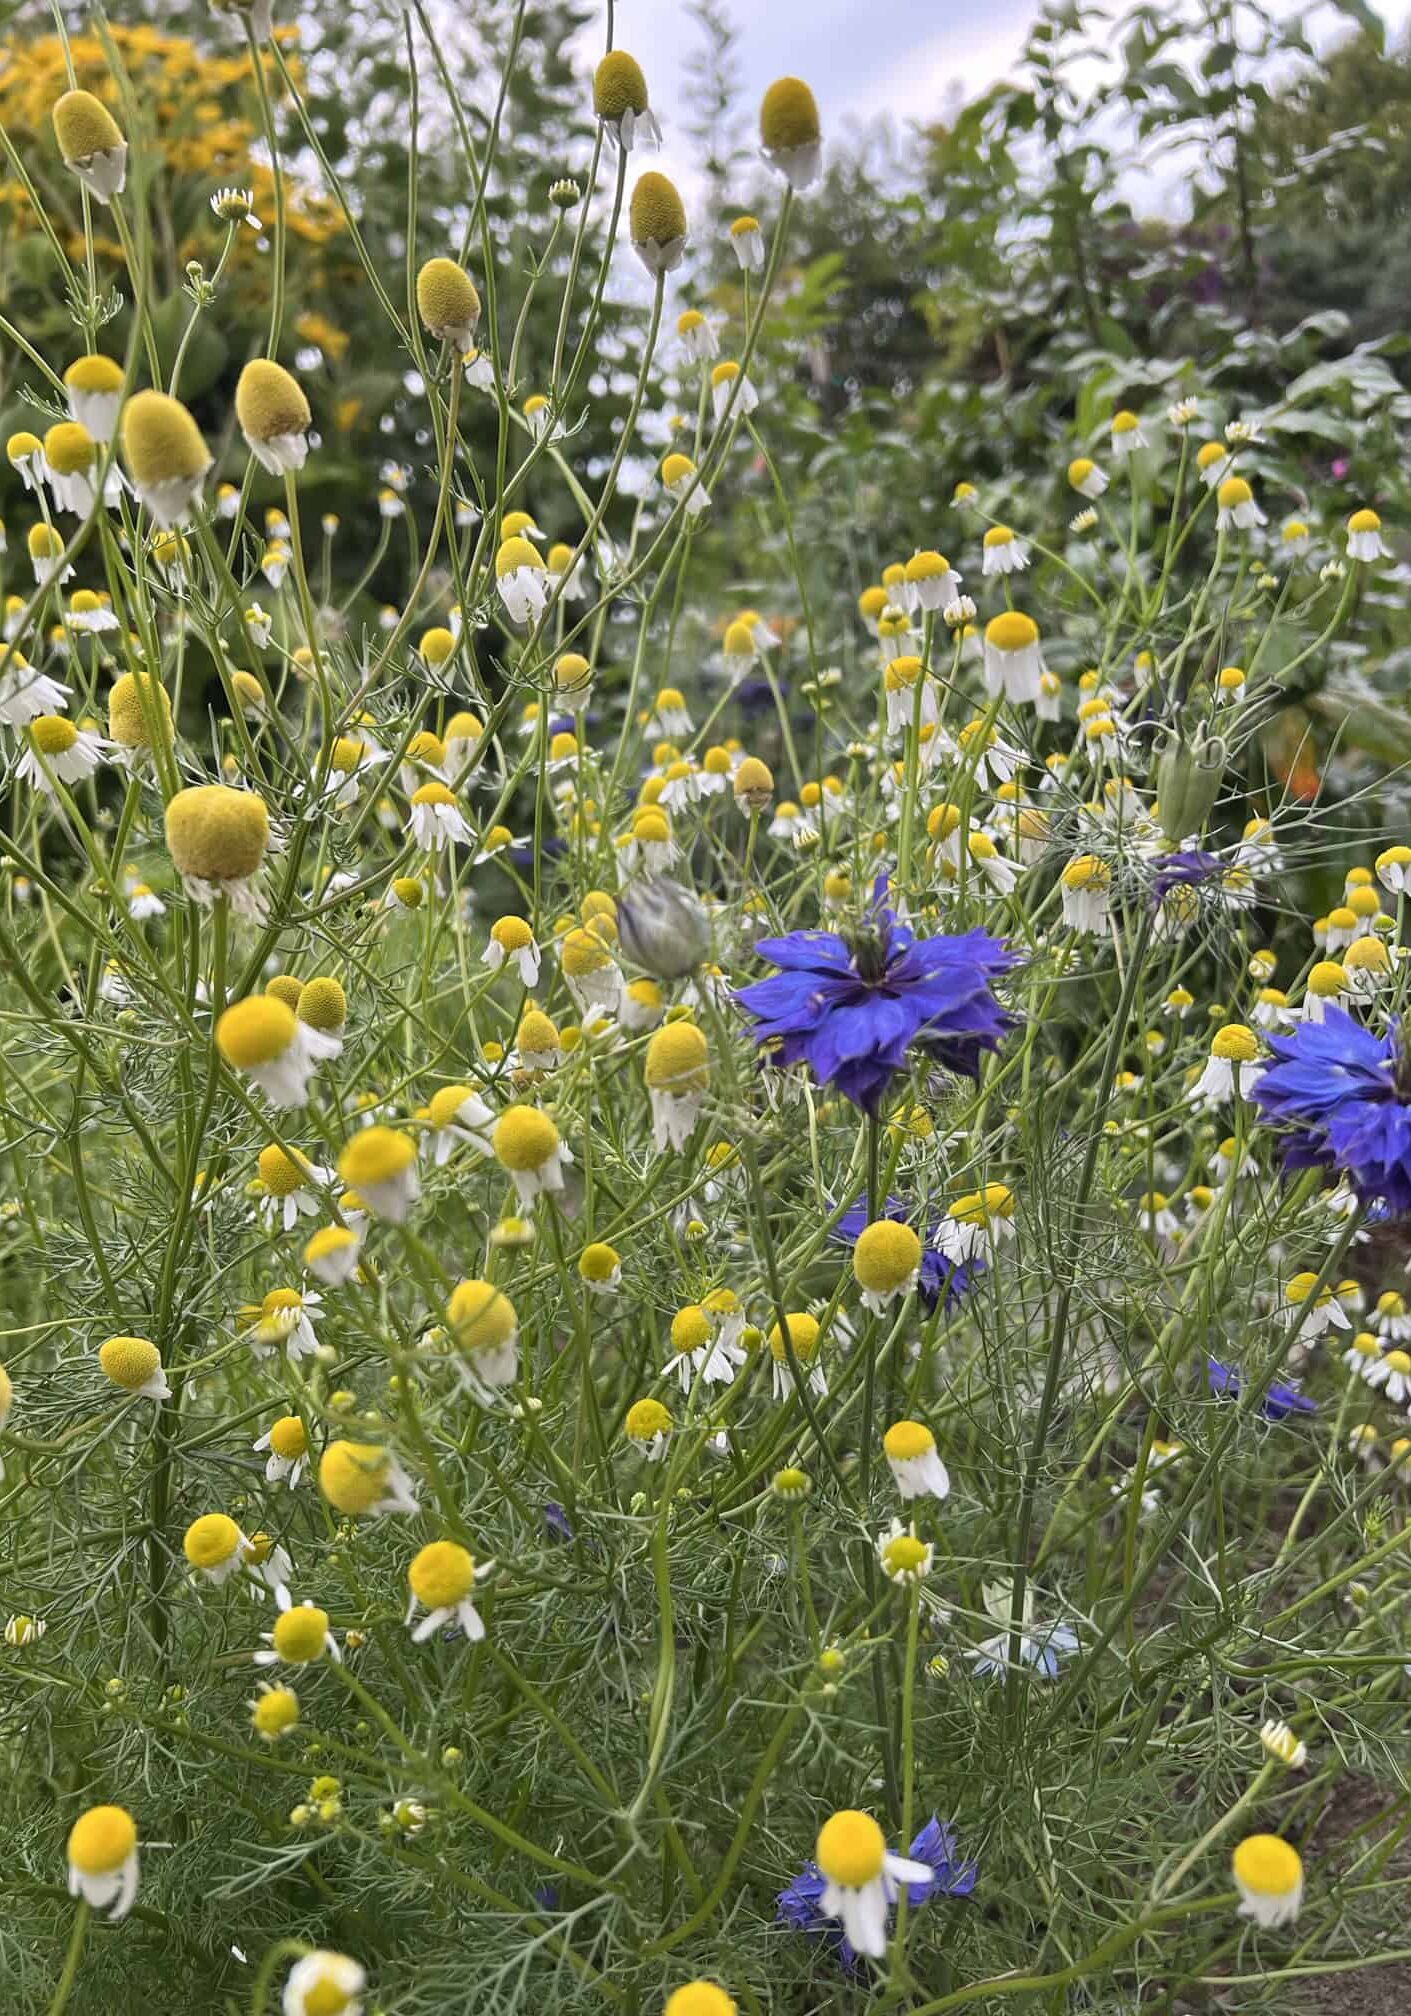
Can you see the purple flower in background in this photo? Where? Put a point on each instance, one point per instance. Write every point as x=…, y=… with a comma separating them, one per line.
x=800, y=1903
x=1282, y=1399
x=851, y=1011
x=1190, y=867
x=941, y=1280
x=1346, y=1094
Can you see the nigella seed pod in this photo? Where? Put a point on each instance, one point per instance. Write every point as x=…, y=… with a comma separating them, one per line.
x=1187, y=786
x=663, y=928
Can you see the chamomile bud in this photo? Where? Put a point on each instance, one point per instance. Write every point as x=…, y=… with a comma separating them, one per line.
x=447, y=302
x=166, y=455
x=657, y=223
x=274, y=416
x=1280, y=1743
x=91, y=143
x=789, y=131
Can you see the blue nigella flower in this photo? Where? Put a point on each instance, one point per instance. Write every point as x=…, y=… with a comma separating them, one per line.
x=942, y=1279
x=935, y=1845
x=1281, y=1400
x=1346, y=1094
x=557, y=1525
x=1190, y=867
x=851, y=1011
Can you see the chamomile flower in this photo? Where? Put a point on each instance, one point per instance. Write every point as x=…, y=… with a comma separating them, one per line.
x=1237, y=510
x=523, y=581
x=1279, y=1742
x=287, y=1444
x=289, y=1185
x=1127, y=435
x=57, y=752
x=274, y=1712
x=102, y=1854
x=380, y=1164
x=789, y=133
x=528, y=1146
x=1004, y=552
x=484, y=1327
x=886, y=1262
x=93, y=147
x=215, y=1547
x=648, y=1427
x=697, y=336
x=862, y=1879
x=802, y=1333
x=260, y=1037
x=437, y=821
x=1268, y=1873
x=731, y=390
x=1014, y=664
x=364, y=1480
x=699, y=1351
x=134, y=1364
x=324, y=1983
x=621, y=102
x=902, y=1556
x=1364, y=537
x=217, y=838
x=677, y=1073
x=656, y=220
x=914, y=1461
x=512, y=940
x=274, y=416
x=448, y=303
x=442, y=1579
x=458, y=1117
x=1233, y=1069
x=1086, y=478
x=166, y=455
x=93, y=387
x=976, y=1225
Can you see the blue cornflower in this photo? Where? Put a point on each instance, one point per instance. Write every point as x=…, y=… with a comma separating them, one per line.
x=851, y=1011
x=941, y=1279
x=1346, y=1094
x=1282, y=1399
x=800, y=1905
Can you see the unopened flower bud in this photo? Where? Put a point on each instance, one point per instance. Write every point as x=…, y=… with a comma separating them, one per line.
x=663, y=928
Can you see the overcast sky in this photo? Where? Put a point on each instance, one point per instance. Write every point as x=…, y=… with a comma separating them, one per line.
x=862, y=59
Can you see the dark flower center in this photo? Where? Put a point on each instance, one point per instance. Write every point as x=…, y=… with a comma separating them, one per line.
x=869, y=955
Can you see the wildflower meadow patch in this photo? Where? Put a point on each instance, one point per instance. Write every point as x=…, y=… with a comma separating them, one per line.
x=707, y=1120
